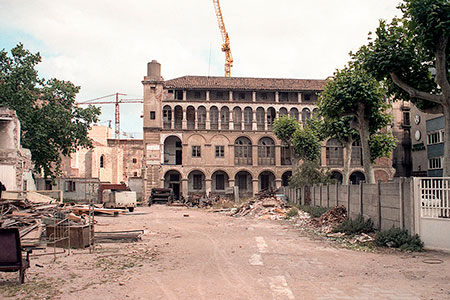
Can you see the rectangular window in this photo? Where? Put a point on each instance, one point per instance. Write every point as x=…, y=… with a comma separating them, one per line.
x=179, y=94
x=220, y=151
x=219, y=95
x=197, y=182
x=406, y=119
x=241, y=96
x=197, y=95
x=70, y=186
x=435, y=163
x=196, y=151
x=307, y=97
x=152, y=115
x=435, y=137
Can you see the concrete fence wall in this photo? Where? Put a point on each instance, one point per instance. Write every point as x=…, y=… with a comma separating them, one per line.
x=387, y=204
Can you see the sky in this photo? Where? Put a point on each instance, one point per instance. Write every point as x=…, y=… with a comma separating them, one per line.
x=104, y=46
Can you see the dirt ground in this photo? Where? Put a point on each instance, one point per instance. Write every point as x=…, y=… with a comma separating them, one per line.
x=196, y=254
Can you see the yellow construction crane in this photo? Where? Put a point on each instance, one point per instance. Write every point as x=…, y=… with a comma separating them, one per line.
x=226, y=40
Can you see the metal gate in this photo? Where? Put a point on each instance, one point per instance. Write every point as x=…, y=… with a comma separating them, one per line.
x=432, y=211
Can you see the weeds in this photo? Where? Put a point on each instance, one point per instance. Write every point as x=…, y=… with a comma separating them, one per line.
x=293, y=212
x=355, y=226
x=314, y=211
x=399, y=238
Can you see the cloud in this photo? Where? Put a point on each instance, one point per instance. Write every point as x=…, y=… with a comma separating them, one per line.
x=104, y=46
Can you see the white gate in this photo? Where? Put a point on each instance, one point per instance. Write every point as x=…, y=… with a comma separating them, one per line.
x=432, y=211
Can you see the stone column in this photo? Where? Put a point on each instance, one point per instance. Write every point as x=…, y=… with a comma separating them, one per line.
x=254, y=96
x=277, y=97
x=207, y=95
x=255, y=186
x=208, y=185
x=184, y=121
x=207, y=121
x=299, y=97
x=278, y=183
x=231, y=121
x=277, y=155
x=184, y=187
x=230, y=96
x=184, y=95
x=255, y=155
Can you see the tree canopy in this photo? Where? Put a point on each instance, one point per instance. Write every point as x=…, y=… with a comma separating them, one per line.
x=51, y=124
x=412, y=58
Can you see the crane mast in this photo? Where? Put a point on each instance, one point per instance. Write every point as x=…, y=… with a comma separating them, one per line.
x=225, y=39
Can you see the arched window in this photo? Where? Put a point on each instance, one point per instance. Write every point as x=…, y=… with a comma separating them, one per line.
x=190, y=117
x=242, y=151
x=167, y=117
x=178, y=116
x=224, y=118
x=306, y=115
x=248, y=118
x=270, y=117
x=102, y=161
x=266, y=152
x=293, y=113
x=260, y=118
x=201, y=117
x=356, y=154
x=237, y=118
x=315, y=112
x=214, y=117
x=334, y=153
x=283, y=112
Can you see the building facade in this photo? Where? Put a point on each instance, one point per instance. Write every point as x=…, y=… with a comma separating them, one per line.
x=205, y=134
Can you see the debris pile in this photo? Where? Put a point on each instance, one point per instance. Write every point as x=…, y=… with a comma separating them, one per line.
x=331, y=218
x=265, y=205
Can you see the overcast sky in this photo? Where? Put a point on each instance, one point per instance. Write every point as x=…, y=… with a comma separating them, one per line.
x=104, y=46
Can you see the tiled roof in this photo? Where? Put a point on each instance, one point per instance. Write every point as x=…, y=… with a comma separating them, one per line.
x=244, y=83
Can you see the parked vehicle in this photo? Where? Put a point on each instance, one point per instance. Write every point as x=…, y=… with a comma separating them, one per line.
x=119, y=199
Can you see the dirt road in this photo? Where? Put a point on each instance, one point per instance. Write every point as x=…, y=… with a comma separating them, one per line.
x=193, y=254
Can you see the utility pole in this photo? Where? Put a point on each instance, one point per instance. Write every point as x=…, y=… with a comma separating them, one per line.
x=117, y=117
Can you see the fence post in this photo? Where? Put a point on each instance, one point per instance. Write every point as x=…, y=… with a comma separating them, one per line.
x=320, y=195
x=402, y=203
x=361, y=200
x=314, y=195
x=348, y=200
x=379, y=205
x=337, y=194
x=328, y=195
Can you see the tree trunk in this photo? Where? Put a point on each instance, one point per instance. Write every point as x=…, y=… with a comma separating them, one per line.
x=367, y=163
x=446, y=158
x=347, y=161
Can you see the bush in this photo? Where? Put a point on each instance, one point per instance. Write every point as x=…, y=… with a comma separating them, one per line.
x=293, y=212
x=399, y=238
x=355, y=226
x=314, y=211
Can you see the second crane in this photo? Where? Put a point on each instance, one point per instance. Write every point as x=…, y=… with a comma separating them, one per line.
x=225, y=39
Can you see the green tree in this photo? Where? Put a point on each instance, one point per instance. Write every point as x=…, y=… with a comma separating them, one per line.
x=284, y=127
x=51, y=124
x=412, y=56
x=353, y=92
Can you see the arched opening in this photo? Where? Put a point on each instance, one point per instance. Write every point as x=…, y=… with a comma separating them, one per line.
x=285, y=178
x=214, y=117
x=266, y=152
x=315, y=112
x=167, y=117
x=178, y=115
x=224, y=118
x=190, y=117
x=242, y=151
x=356, y=154
x=219, y=181
x=357, y=177
x=172, y=180
x=306, y=115
x=173, y=151
x=243, y=180
x=248, y=118
x=237, y=118
x=260, y=118
x=102, y=161
x=266, y=181
x=286, y=154
x=201, y=117
x=293, y=113
x=271, y=115
x=334, y=153
x=196, y=183
x=283, y=112
x=336, y=176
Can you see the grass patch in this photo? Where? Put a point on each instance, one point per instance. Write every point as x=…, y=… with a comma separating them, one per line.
x=293, y=212
x=314, y=211
x=355, y=226
x=399, y=238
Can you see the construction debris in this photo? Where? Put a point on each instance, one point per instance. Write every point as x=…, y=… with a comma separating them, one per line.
x=263, y=206
x=118, y=236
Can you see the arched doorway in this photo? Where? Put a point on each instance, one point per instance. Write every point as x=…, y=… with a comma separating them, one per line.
x=266, y=181
x=219, y=181
x=242, y=151
x=357, y=177
x=172, y=180
x=285, y=178
x=337, y=176
x=243, y=180
x=196, y=182
x=173, y=151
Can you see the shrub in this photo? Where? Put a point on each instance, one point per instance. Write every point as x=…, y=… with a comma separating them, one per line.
x=293, y=212
x=399, y=238
x=355, y=226
x=314, y=211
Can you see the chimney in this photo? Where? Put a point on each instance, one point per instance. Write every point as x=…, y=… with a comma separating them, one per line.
x=154, y=70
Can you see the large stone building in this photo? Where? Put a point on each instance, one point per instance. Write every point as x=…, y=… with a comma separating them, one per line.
x=204, y=134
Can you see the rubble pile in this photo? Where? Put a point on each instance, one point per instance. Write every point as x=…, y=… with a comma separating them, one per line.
x=331, y=218
x=263, y=206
